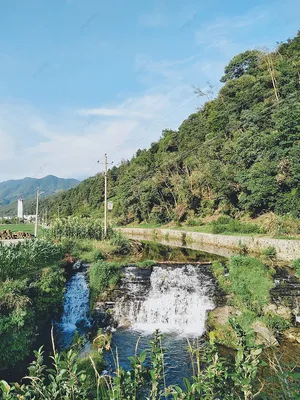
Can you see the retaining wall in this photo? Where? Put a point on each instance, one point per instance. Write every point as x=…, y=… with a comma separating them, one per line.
x=287, y=250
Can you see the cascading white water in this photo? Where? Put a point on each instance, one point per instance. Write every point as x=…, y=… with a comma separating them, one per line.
x=76, y=304
x=178, y=300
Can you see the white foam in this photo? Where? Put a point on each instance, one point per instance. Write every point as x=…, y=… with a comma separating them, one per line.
x=177, y=302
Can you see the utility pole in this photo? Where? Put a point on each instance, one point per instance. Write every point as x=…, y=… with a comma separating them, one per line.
x=105, y=196
x=36, y=212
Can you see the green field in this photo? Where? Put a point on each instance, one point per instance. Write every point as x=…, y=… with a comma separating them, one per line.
x=18, y=227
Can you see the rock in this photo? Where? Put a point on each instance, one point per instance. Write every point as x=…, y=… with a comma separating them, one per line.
x=280, y=310
x=124, y=323
x=83, y=323
x=77, y=266
x=264, y=335
x=221, y=315
x=293, y=335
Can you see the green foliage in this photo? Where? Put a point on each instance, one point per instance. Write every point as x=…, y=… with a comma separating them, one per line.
x=121, y=242
x=270, y=252
x=246, y=319
x=276, y=322
x=77, y=228
x=49, y=293
x=103, y=275
x=16, y=322
x=250, y=282
x=296, y=265
x=23, y=258
x=31, y=293
x=213, y=377
x=230, y=225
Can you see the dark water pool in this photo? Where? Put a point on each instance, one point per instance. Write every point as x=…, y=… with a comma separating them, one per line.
x=177, y=358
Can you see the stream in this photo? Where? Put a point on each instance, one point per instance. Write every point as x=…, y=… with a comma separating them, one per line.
x=173, y=297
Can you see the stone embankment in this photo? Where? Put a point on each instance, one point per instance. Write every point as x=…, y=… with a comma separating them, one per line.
x=226, y=245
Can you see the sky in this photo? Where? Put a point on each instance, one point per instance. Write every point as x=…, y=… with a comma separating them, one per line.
x=81, y=78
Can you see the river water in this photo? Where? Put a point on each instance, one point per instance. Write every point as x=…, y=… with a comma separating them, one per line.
x=173, y=298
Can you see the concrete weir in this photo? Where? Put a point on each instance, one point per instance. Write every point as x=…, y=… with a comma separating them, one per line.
x=225, y=245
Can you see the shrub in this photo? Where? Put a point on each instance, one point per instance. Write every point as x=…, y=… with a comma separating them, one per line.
x=49, y=293
x=191, y=222
x=230, y=225
x=296, y=265
x=121, y=242
x=277, y=225
x=243, y=249
x=102, y=274
x=276, y=322
x=223, y=220
x=246, y=319
x=250, y=282
x=270, y=253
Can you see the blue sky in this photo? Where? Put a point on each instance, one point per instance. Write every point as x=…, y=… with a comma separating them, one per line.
x=79, y=78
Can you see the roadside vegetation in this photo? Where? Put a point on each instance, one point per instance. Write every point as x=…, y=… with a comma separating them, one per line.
x=31, y=292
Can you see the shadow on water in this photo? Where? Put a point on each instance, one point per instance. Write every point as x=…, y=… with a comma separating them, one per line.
x=174, y=251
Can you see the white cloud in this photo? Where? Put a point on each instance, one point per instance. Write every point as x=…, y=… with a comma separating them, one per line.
x=70, y=143
x=112, y=112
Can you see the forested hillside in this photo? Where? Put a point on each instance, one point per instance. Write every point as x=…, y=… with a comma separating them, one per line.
x=239, y=153
x=11, y=190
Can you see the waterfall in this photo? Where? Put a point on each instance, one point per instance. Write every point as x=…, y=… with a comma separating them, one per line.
x=177, y=299
x=76, y=304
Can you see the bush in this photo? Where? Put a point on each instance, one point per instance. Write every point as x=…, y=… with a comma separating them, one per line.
x=121, y=242
x=276, y=225
x=230, y=225
x=246, y=319
x=250, y=282
x=102, y=274
x=276, y=322
x=191, y=222
x=296, y=265
x=270, y=253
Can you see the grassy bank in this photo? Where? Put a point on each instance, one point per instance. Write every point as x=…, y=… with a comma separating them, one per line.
x=267, y=225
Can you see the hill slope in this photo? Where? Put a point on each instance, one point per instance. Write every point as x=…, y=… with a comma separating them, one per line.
x=239, y=153
x=11, y=190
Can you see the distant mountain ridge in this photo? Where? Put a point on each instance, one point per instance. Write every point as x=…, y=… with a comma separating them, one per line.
x=11, y=190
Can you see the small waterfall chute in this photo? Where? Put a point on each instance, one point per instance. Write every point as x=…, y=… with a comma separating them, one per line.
x=176, y=301
x=76, y=311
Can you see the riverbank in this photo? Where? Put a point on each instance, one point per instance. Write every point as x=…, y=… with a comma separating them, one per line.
x=286, y=249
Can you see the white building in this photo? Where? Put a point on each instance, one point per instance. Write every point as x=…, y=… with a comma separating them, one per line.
x=20, y=208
